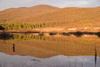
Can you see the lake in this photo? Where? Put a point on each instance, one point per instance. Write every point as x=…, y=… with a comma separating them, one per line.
x=74, y=49
x=55, y=61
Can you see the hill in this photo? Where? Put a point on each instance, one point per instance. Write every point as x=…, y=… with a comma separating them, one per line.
x=70, y=18
x=25, y=11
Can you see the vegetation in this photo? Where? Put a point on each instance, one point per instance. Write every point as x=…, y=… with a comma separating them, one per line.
x=20, y=26
x=2, y=20
x=22, y=7
x=71, y=17
x=84, y=42
x=84, y=21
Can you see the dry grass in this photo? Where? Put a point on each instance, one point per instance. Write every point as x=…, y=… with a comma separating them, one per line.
x=27, y=11
x=71, y=17
x=64, y=18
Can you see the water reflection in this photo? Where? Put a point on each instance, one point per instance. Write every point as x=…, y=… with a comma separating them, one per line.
x=55, y=61
x=39, y=36
x=95, y=55
x=7, y=36
x=79, y=34
x=58, y=46
x=48, y=46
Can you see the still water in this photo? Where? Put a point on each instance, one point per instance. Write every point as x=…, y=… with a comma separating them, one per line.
x=55, y=61
x=49, y=50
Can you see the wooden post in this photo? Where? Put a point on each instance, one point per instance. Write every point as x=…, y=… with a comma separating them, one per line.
x=13, y=47
x=95, y=55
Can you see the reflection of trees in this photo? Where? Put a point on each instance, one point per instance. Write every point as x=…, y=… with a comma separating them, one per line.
x=5, y=36
x=1, y=28
x=26, y=37
x=79, y=34
x=20, y=37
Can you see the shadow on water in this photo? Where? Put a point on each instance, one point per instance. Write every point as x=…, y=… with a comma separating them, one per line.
x=6, y=36
x=52, y=33
x=19, y=37
x=1, y=28
x=26, y=36
x=79, y=34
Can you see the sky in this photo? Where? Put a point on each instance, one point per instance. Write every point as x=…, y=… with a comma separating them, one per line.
x=5, y=4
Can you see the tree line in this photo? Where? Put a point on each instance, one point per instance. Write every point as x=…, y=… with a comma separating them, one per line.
x=19, y=26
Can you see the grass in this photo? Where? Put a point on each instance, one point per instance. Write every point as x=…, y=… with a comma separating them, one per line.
x=39, y=10
x=54, y=17
x=28, y=11
x=3, y=20
x=84, y=21
x=84, y=42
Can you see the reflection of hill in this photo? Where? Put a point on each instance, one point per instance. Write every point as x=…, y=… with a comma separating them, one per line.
x=42, y=36
x=51, y=46
x=25, y=50
x=79, y=34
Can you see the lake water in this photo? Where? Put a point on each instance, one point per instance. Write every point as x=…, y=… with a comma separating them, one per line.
x=49, y=50
x=55, y=61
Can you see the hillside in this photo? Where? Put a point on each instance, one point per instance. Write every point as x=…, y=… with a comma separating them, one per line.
x=25, y=11
x=70, y=18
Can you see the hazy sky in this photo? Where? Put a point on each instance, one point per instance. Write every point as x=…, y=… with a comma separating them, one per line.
x=5, y=4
